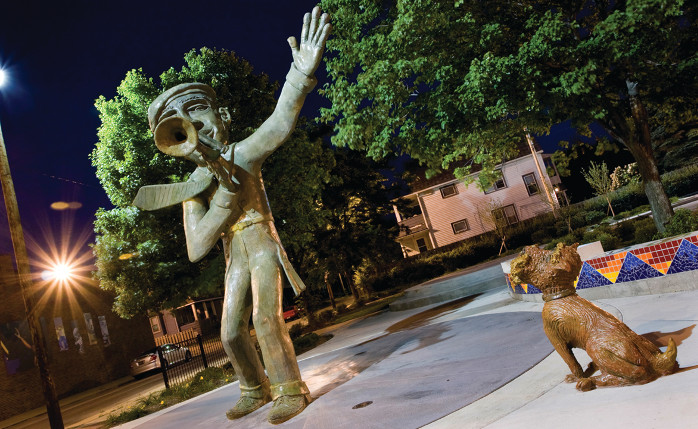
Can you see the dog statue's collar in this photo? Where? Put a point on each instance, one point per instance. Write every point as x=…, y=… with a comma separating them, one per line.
x=558, y=295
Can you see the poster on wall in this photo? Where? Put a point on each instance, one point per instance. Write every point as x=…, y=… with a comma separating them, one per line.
x=90, y=329
x=16, y=346
x=77, y=337
x=105, y=331
x=60, y=334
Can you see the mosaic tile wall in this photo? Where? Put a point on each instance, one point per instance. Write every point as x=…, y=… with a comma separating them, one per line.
x=655, y=259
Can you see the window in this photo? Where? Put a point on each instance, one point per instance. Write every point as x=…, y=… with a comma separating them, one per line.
x=421, y=245
x=448, y=191
x=506, y=215
x=531, y=184
x=498, y=184
x=460, y=226
x=155, y=324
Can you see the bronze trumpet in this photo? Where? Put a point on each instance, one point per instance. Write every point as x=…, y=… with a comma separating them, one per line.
x=179, y=137
x=176, y=136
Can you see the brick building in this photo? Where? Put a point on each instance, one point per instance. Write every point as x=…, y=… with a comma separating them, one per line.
x=86, y=343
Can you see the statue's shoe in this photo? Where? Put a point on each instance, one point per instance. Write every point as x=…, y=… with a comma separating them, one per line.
x=245, y=405
x=286, y=407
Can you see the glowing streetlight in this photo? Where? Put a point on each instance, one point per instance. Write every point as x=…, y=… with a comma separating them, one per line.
x=60, y=272
x=25, y=282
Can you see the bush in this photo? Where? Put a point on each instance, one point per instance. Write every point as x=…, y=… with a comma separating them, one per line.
x=606, y=235
x=626, y=230
x=609, y=241
x=540, y=236
x=296, y=330
x=645, y=230
x=309, y=341
x=567, y=239
x=594, y=216
x=683, y=181
x=325, y=316
x=682, y=222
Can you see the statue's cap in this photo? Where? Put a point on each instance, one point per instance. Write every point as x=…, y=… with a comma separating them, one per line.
x=183, y=89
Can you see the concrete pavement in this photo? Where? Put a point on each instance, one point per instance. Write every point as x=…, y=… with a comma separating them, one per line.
x=477, y=362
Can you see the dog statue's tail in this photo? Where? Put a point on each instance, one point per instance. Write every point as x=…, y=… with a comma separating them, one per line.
x=665, y=363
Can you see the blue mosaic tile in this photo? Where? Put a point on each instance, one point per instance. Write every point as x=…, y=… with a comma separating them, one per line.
x=589, y=277
x=685, y=259
x=518, y=289
x=533, y=289
x=635, y=268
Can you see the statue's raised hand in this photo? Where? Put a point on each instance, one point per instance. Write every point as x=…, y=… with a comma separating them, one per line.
x=315, y=31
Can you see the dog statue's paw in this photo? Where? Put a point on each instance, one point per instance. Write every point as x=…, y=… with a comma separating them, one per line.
x=571, y=378
x=586, y=384
x=591, y=369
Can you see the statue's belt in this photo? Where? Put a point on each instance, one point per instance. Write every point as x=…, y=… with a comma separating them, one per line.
x=558, y=295
x=245, y=223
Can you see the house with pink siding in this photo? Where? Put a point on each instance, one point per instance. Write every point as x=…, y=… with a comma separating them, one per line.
x=451, y=211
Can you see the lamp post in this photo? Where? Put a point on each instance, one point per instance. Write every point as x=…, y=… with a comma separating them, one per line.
x=552, y=200
x=26, y=285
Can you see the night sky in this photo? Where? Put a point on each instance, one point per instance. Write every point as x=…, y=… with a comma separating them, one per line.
x=61, y=56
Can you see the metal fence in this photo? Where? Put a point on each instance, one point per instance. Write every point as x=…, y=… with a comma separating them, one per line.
x=184, y=354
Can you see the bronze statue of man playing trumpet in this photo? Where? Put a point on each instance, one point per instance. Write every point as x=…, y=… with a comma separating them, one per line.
x=225, y=199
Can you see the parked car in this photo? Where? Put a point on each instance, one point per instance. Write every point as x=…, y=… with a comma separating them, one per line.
x=149, y=360
x=290, y=313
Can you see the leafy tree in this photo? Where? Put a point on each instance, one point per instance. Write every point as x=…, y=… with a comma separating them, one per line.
x=599, y=178
x=359, y=227
x=295, y=177
x=492, y=215
x=460, y=80
x=142, y=255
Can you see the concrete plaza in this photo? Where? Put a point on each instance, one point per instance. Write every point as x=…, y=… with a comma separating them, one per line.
x=481, y=361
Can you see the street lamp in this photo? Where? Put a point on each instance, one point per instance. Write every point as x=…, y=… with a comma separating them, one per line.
x=60, y=272
x=24, y=273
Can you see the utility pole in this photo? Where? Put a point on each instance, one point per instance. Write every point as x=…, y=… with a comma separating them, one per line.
x=552, y=200
x=26, y=285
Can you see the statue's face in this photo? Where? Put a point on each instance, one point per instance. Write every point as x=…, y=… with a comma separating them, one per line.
x=200, y=111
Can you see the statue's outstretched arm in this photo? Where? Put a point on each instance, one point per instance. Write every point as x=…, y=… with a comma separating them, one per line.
x=299, y=82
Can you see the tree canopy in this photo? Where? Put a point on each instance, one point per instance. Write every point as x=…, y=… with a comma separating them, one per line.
x=460, y=80
x=141, y=256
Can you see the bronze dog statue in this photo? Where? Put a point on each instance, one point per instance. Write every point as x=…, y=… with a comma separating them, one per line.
x=621, y=356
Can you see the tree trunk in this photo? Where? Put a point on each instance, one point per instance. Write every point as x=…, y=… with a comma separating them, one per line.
x=639, y=143
x=310, y=313
x=352, y=287
x=329, y=291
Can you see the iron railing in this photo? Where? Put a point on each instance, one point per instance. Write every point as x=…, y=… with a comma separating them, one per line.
x=196, y=352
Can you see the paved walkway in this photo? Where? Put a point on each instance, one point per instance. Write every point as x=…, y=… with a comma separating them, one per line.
x=477, y=362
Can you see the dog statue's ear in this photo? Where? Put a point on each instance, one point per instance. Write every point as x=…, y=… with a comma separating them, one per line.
x=519, y=267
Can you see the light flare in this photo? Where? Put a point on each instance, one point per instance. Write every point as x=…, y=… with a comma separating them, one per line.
x=62, y=266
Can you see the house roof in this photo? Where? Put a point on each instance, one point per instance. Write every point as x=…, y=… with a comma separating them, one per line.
x=421, y=182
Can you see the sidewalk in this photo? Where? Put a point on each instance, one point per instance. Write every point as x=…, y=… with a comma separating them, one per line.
x=27, y=417
x=477, y=362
